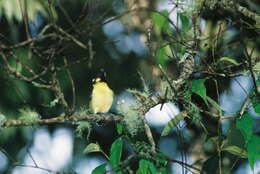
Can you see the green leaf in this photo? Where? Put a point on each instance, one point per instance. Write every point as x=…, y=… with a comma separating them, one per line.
x=234, y=137
x=160, y=21
x=173, y=122
x=116, y=152
x=146, y=167
x=257, y=108
x=253, y=150
x=228, y=60
x=160, y=159
x=164, y=171
x=235, y=150
x=185, y=23
x=119, y=128
x=162, y=55
x=256, y=104
x=15, y=63
x=99, y=169
x=245, y=125
x=198, y=87
x=92, y=147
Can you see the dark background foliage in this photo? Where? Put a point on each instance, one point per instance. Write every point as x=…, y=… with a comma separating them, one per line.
x=198, y=57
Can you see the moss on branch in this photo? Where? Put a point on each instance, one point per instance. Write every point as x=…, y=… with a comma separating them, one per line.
x=92, y=118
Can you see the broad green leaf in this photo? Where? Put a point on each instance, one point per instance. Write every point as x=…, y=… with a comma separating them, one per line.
x=162, y=55
x=146, y=167
x=18, y=91
x=228, y=60
x=116, y=152
x=257, y=108
x=16, y=62
x=173, y=123
x=256, y=104
x=245, y=125
x=198, y=87
x=24, y=56
x=160, y=21
x=164, y=171
x=99, y=169
x=235, y=150
x=253, y=150
x=92, y=147
x=185, y=23
x=234, y=137
x=17, y=66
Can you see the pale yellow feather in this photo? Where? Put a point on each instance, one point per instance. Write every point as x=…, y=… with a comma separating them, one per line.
x=101, y=98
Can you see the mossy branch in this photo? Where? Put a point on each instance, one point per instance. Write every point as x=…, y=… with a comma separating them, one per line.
x=92, y=118
x=233, y=5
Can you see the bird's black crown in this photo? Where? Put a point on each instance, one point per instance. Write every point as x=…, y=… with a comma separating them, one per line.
x=100, y=77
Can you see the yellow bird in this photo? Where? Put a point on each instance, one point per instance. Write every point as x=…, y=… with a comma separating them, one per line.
x=102, y=95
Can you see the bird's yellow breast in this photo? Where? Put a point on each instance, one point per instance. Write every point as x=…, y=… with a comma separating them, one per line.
x=101, y=98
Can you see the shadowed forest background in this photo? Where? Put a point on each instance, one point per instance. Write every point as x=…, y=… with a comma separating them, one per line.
x=185, y=75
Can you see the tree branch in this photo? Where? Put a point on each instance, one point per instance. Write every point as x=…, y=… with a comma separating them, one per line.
x=92, y=118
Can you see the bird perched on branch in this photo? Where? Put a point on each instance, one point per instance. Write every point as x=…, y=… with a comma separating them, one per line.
x=102, y=95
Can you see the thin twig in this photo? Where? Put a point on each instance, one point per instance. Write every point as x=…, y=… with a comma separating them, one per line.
x=31, y=166
x=72, y=86
x=72, y=38
x=27, y=42
x=30, y=155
